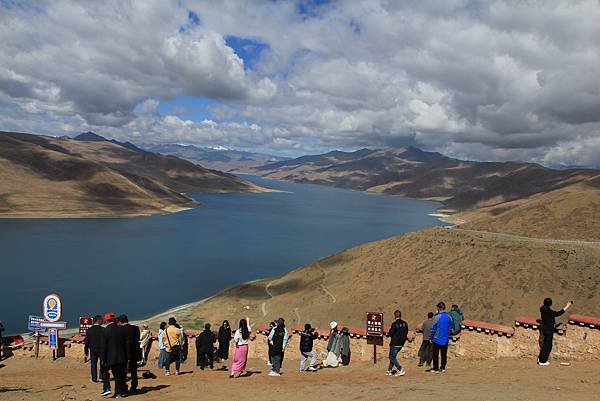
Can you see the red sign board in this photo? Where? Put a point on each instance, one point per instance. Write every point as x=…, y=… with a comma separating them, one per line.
x=85, y=322
x=375, y=324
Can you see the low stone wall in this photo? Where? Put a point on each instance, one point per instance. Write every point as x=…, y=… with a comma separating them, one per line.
x=579, y=340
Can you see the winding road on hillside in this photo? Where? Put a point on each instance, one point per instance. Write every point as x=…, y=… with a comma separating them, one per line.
x=588, y=244
x=296, y=313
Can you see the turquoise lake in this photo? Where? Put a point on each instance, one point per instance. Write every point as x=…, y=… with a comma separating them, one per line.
x=141, y=266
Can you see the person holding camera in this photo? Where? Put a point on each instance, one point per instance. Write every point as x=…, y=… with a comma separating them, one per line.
x=306, y=348
x=548, y=317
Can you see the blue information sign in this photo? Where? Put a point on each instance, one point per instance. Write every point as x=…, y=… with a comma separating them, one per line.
x=53, y=338
x=33, y=323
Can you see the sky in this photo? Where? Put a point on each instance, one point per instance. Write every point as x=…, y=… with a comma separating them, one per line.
x=479, y=80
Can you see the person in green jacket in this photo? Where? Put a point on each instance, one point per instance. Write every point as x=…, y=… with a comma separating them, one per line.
x=457, y=319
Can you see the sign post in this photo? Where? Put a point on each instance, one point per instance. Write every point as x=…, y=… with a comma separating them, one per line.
x=53, y=341
x=375, y=331
x=52, y=310
x=85, y=322
x=33, y=324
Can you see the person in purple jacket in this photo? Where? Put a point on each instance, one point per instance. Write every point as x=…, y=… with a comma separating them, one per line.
x=440, y=337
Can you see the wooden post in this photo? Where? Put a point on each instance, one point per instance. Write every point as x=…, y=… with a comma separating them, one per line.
x=374, y=353
x=37, y=344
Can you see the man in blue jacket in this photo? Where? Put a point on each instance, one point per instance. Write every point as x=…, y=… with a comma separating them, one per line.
x=440, y=337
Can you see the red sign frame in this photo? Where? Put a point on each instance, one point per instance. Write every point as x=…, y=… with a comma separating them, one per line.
x=375, y=324
x=85, y=322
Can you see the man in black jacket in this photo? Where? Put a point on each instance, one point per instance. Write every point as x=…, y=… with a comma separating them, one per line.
x=398, y=333
x=205, y=347
x=115, y=353
x=306, y=348
x=134, y=355
x=548, y=317
x=92, y=346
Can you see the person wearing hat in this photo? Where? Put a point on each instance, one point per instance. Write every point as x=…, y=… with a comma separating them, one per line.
x=115, y=355
x=333, y=347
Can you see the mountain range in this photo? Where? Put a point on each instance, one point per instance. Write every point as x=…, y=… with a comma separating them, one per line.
x=92, y=176
x=461, y=186
x=216, y=158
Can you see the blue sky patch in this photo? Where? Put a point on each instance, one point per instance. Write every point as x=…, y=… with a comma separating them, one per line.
x=187, y=108
x=248, y=50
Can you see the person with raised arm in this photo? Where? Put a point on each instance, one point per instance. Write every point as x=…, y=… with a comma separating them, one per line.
x=548, y=317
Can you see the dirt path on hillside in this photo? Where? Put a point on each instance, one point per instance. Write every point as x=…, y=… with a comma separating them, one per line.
x=516, y=380
x=322, y=285
x=513, y=237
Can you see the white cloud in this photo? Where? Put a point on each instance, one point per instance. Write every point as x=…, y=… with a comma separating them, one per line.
x=484, y=80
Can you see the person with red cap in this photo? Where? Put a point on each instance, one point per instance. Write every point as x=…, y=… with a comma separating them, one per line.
x=115, y=354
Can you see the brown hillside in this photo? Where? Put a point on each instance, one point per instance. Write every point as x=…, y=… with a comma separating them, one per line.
x=492, y=278
x=571, y=213
x=43, y=176
x=459, y=185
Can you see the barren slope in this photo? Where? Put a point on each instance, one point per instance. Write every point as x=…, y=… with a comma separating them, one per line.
x=42, y=176
x=460, y=185
x=567, y=213
x=492, y=278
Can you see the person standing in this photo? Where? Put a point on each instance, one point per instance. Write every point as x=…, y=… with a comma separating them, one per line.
x=457, y=319
x=115, y=355
x=205, y=348
x=548, y=317
x=307, y=338
x=426, y=349
x=345, y=346
x=440, y=337
x=1, y=343
x=333, y=347
x=172, y=341
x=92, y=347
x=145, y=343
x=398, y=334
x=241, y=339
x=278, y=341
x=162, y=349
x=184, y=344
x=134, y=354
x=272, y=326
x=224, y=337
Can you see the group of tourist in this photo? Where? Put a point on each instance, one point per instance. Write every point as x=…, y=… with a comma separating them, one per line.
x=114, y=346
x=437, y=331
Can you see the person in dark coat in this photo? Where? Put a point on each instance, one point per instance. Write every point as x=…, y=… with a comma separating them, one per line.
x=548, y=317
x=92, y=346
x=1, y=343
x=224, y=340
x=134, y=354
x=205, y=347
x=115, y=353
x=398, y=334
x=345, y=346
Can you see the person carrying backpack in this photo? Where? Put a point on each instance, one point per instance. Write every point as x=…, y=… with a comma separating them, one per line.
x=457, y=319
x=306, y=348
x=172, y=341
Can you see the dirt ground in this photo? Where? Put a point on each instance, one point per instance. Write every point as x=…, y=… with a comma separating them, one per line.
x=514, y=380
